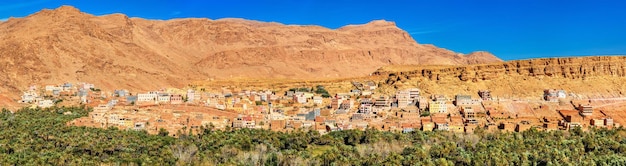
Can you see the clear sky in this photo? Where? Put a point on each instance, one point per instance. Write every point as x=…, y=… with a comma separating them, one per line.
x=510, y=29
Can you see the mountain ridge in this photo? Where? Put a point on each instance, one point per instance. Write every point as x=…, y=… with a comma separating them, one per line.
x=117, y=51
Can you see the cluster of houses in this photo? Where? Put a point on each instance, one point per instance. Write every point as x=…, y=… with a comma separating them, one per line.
x=51, y=94
x=172, y=118
x=404, y=111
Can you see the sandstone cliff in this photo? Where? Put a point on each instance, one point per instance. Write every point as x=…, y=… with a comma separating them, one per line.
x=114, y=51
x=591, y=76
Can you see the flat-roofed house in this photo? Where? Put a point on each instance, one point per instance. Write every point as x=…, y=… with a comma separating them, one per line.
x=29, y=96
x=382, y=101
x=176, y=99
x=468, y=112
x=438, y=107
x=427, y=124
x=45, y=103
x=585, y=110
x=440, y=123
x=422, y=103
x=365, y=108
x=465, y=100
x=163, y=97
x=317, y=100
x=414, y=93
x=561, y=94
x=147, y=97
x=404, y=99
x=191, y=96
x=299, y=98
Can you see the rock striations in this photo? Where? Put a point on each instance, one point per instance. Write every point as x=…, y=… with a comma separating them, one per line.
x=65, y=44
x=574, y=68
x=598, y=75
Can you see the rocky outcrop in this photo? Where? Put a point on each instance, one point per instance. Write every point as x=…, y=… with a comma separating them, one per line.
x=570, y=68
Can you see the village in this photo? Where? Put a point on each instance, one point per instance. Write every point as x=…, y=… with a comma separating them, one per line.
x=314, y=108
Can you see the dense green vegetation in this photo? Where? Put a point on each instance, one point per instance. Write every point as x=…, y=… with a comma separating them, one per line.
x=302, y=89
x=322, y=91
x=319, y=89
x=40, y=137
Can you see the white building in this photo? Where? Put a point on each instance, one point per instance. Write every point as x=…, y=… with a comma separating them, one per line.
x=561, y=94
x=365, y=108
x=197, y=97
x=317, y=100
x=442, y=126
x=414, y=93
x=256, y=97
x=102, y=108
x=274, y=97
x=191, y=95
x=45, y=103
x=112, y=103
x=32, y=88
x=220, y=106
x=308, y=95
x=264, y=96
x=146, y=97
x=382, y=101
x=83, y=99
x=114, y=119
x=299, y=98
x=276, y=116
x=29, y=96
x=88, y=86
x=466, y=100
x=50, y=87
x=403, y=98
x=163, y=98
x=66, y=87
x=370, y=86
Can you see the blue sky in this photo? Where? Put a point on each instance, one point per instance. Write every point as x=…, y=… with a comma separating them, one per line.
x=510, y=29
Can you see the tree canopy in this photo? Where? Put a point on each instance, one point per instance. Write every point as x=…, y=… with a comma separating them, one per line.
x=41, y=137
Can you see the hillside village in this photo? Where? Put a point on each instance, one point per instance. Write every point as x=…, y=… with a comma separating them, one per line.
x=174, y=110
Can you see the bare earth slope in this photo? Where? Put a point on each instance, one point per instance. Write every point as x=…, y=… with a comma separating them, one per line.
x=114, y=51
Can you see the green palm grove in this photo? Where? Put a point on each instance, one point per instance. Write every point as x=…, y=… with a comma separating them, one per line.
x=41, y=137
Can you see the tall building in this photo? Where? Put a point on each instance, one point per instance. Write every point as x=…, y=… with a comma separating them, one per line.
x=438, y=107
x=191, y=95
x=414, y=93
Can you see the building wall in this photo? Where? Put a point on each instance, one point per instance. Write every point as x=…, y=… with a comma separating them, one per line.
x=142, y=97
x=438, y=107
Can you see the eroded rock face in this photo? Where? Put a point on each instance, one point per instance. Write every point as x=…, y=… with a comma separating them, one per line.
x=114, y=51
x=573, y=68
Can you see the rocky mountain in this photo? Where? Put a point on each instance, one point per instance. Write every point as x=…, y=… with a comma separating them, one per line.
x=115, y=51
x=593, y=76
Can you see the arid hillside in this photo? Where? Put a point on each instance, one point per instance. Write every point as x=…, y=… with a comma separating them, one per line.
x=594, y=77
x=114, y=51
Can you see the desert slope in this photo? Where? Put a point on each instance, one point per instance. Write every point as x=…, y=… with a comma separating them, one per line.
x=114, y=51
